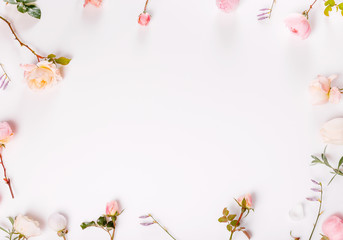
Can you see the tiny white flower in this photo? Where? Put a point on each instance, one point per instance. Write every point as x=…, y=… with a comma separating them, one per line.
x=26, y=226
x=57, y=222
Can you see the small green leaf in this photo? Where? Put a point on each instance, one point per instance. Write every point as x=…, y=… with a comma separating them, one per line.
x=229, y=227
x=22, y=8
x=11, y=220
x=340, y=162
x=314, y=162
x=340, y=6
x=234, y=223
x=225, y=212
x=231, y=217
x=51, y=55
x=222, y=219
x=102, y=221
x=85, y=225
x=34, y=11
x=244, y=203
x=63, y=61
x=28, y=1
x=11, y=1
x=110, y=224
x=3, y=229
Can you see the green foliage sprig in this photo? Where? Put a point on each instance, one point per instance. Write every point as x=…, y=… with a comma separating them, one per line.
x=330, y=5
x=233, y=221
x=27, y=6
x=324, y=161
x=11, y=233
x=104, y=222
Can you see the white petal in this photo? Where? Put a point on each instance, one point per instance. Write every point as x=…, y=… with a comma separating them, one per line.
x=297, y=212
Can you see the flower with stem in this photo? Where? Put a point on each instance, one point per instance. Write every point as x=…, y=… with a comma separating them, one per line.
x=154, y=221
x=106, y=222
x=266, y=12
x=6, y=134
x=320, y=200
x=144, y=17
x=324, y=161
x=234, y=223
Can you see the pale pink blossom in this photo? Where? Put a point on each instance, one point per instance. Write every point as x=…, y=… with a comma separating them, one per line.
x=96, y=3
x=247, y=198
x=335, y=95
x=26, y=226
x=298, y=25
x=112, y=208
x=321, y=91
x=227, y=5
x=333, y=228
x=332, y=131
x=144, y=18
x=5, y=133
x=41, y=75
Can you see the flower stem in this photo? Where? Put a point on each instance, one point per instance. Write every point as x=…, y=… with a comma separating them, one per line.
x=238, y=221
x=271, y=8
x=162, y=227
x=319, y=211
x=3, y=69
x=7, y=180
x=39, y=57
x=311, y=6
x=146, y=5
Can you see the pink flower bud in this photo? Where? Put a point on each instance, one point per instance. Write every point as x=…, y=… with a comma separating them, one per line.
x=112, y=208
x=227, y=5
x=248, y=200
x=144, y=18
x=5, y=132
x=333, y=228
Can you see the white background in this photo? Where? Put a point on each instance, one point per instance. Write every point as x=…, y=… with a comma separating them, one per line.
x=174, y=119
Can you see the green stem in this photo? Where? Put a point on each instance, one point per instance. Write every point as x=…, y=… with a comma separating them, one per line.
x=239, y=219
x=146, y=5
x=271, y=8
x=311, y=6
x=319, y=211
x=162, y=227
x=332, y=179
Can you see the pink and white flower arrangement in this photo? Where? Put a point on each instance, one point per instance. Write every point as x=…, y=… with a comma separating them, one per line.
x=333, y=228
x=298, y=25
x=227, y=5
x=322, y=92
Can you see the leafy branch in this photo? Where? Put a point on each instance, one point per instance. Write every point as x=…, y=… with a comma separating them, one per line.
x=324, y=161
x=330, y=4
x=26, y=6
x=234, y=222
x=11, y=233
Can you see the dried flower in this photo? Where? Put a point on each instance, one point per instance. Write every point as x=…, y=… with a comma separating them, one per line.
x=266, y=12
x=153, y=222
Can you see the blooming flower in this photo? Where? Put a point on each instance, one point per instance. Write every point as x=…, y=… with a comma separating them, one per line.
x=227, y=5
x=333, y=228
x=57, y=222
x=96, y=3
x=5, y=132
x=298, y=25
x=322, y=92
x=332, y=131
x=26, y=226
x=41, y=75
x=112, y=208
x=247, y=198
x=144, y=18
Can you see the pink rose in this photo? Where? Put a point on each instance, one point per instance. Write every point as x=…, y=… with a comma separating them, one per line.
x=144, y=19
x=5, y=133
x=112, y=208
x=41, y=75
x=333, y=228
x=227, y=5
x=247, y=198
x=298, y=25
x=96, y=3
x=321, y=91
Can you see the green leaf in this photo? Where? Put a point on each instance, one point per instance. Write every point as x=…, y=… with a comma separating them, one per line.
x=11, y=1
x=110, y=224
x=225, y=212
x=223, y=219
x=3, y=229
x=244, y=203
x=314, y=162
x=63, y=61
x=229, y=227
x=326, y=162
x=340, y=6
x=234, y=223
x=231, y=217
x=340, y=162
x=331, y=3
x=34, y=11
x=102, y=221
x=11, y=220
x=51, y=55
x=28, y=1
x=85, y=225
x=22, y=8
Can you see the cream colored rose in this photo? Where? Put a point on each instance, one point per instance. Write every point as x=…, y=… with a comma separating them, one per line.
x=332, y=131
x=41, y=75
x=26, y=226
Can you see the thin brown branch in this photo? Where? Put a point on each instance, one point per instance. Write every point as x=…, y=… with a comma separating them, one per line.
x=6, y=179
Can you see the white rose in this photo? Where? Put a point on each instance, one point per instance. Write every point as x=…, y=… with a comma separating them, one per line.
x=332, y=131
x=57, y=222
x=26, y=226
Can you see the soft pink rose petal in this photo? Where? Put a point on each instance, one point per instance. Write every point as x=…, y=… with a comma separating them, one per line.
x=96, y=3
x=5, y=132
x=227, y=5
x=333, y=228
x=335, y=95
x=248, y=200
x=144, y=19
x=298, y=25
x=112, y=208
